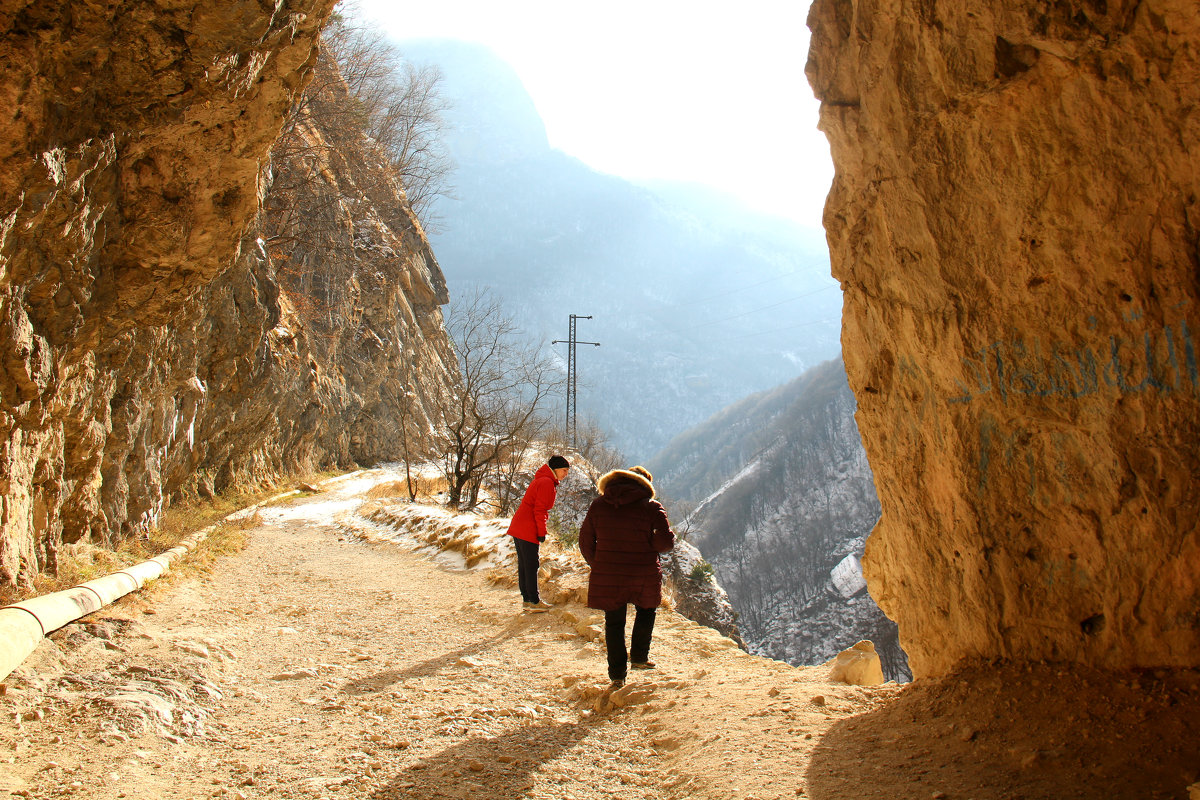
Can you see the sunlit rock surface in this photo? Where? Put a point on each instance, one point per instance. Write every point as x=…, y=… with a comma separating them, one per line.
x=150, y=346
x=1014, y=222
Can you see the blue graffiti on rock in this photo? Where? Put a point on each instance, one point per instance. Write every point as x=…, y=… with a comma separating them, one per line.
x=1161, y=361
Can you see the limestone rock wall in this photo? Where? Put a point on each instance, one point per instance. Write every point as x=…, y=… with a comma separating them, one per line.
x=1014, y=221
x=151, y=346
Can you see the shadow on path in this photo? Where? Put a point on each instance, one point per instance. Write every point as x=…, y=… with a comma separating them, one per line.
x=1020, y=732
x=473, y=769
x=381, y=681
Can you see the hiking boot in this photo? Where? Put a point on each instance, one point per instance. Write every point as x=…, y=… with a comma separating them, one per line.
x=641, y=665
x=536, y=608
x=617, y=683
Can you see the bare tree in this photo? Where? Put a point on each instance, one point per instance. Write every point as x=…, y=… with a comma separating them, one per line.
x=400, y=105
x=593, y=443
x=405, y=416
x=503, y=476
x=365, y=105
x=497, y=410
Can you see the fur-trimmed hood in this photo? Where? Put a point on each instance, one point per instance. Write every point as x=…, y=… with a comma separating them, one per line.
x=621, y=487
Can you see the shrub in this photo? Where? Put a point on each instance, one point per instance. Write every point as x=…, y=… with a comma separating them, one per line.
x=702, y=572
x=568, y=534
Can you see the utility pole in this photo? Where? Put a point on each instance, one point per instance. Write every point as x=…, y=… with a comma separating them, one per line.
x=572, y=376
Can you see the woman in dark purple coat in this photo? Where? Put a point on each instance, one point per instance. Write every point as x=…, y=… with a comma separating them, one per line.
x=624, y=531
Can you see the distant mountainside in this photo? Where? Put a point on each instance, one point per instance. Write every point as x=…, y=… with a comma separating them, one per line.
x=695, y=301
x=785, y=500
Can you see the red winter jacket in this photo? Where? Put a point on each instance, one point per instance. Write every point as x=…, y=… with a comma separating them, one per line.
x=624, y=531
x=529, y=523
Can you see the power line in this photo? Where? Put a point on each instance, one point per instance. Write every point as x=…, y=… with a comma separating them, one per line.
x=752, y=311
x=788, y=328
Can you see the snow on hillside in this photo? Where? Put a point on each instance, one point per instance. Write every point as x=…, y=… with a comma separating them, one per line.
x=799, y=498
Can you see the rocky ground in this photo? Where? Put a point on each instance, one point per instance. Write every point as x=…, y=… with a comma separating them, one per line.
x=327, y=662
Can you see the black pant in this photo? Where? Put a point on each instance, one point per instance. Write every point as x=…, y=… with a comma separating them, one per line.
x=639, y=642
x=527, y=569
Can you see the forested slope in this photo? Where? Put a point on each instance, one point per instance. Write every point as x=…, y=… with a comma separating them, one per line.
x=784, y=495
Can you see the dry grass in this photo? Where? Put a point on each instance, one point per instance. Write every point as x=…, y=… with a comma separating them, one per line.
x=370, y=507
x=225, y=539
x=426, y=488
x=79, y=563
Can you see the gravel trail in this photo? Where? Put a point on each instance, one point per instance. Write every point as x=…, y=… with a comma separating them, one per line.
x=319, y=664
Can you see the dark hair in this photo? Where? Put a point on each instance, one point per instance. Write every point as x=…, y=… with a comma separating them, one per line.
x=558, y=462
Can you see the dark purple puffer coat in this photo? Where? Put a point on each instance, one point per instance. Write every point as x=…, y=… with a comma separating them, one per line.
x=624, y=531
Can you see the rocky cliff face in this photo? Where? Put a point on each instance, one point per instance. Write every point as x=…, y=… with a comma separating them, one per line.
x=152, y=344
x=1015, y=225
x=697, y=596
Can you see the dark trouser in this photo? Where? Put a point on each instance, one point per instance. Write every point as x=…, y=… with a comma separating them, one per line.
x=527, y=569
x=614, y=638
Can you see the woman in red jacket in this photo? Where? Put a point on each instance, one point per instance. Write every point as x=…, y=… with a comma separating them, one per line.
x=528, y=527
x=624, y=531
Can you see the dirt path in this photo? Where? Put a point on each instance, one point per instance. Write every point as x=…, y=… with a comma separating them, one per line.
x=315, y=665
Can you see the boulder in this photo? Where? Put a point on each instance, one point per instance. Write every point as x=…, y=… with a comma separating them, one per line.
x=858, y=665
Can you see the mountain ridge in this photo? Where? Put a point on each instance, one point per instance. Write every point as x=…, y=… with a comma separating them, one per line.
x=691, y=311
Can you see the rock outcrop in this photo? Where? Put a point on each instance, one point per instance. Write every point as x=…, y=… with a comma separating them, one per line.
x=698, y=595
x=152, y=345
x=1014, y=221
x=858, y=665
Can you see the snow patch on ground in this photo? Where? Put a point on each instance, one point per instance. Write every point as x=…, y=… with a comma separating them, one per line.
x=319, y=512
x=462, y=541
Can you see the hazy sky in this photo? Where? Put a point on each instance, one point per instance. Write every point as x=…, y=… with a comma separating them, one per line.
x=699, y=91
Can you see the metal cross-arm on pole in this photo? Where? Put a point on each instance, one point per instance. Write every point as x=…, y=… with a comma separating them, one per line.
x=572, y=374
